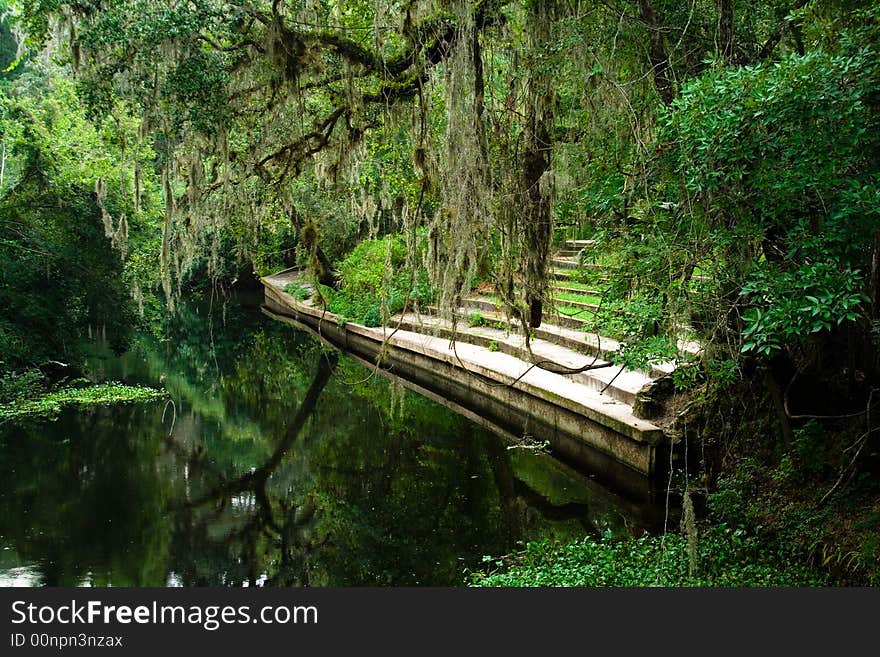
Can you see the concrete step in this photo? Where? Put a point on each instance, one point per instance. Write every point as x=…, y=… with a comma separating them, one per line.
x=476, y=303
x=567, y=253
x=490, y=305
x=577, y=304
x=593, y=407
x=493, y=313
x=565, y=273
x=571, y=336
x=579, y=244
x=574, y=290
x=494, y=316
x=591, y=343
x=606, y=378
x=559, y=389
x=579, y=322
x=561, y=263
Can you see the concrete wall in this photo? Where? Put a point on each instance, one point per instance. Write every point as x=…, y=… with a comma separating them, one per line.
x=634, y=468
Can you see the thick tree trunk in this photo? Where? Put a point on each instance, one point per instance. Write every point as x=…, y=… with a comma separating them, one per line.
x=657, y=56
x=725, y=30
x=538, y=149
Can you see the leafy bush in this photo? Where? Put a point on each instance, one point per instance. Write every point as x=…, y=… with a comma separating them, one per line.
x=60, y=273
x=375, y=283
x=629, y=318
x=780, y=161
x=476, y=319
x=20, y=385
x=367, y=267
x=791, y=304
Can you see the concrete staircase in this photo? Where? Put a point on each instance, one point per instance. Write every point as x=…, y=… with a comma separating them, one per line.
x=563, y=354
x=563, y=378
x=561, y=345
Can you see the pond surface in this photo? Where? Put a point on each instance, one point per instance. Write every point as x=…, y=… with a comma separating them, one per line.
x=276, y=462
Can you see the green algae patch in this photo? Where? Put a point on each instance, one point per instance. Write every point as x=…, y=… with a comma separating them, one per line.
x=50, y=404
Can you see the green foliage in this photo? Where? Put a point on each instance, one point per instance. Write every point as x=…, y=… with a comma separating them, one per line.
x=198, y=84
x=17, y=386
x=791, y=304
x=629, y=318
x=686, y=376
x=808, y=451
x=634, y=322
x=771, y=142
x=782, y=159
x=10, y=63
x=720, y=374
x=809, y=458
x=476, y=319
x=50, y=404
x=367, y=267
x=298, y=291
x=376, y=283
x=744, y=211
x=60, y=271
x=787, y=503
x=725, y=558
x=643, y=352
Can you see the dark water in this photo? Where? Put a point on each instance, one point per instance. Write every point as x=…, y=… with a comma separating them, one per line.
x=380, y=487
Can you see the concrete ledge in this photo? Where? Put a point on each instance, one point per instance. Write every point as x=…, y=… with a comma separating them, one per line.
x=539, y=397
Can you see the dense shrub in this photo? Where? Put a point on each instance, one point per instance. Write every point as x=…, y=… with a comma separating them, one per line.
x=375, y=283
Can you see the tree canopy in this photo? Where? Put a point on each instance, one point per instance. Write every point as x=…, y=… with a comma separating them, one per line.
x=723, y=154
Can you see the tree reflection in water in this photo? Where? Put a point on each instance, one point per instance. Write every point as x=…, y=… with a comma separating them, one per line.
x=281, y=523
x=286, y=465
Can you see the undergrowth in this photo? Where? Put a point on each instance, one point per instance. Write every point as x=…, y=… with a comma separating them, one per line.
x=376, y=283
x=802, y=502
x=725, y=558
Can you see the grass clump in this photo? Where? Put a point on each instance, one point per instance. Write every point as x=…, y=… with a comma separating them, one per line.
x=298, y=291
x=581, y=298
